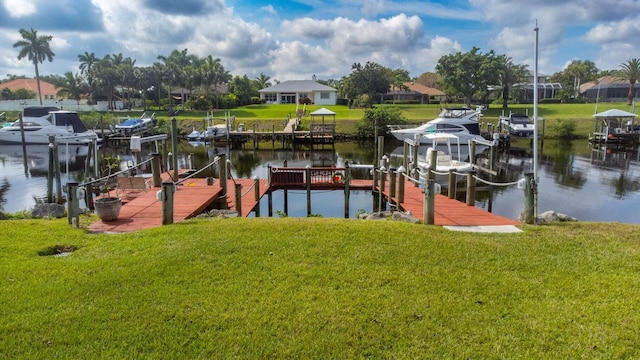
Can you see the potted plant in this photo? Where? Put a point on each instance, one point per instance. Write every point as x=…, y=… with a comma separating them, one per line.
x=107, y=207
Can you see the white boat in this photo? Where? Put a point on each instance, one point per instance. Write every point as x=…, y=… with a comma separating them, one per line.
x=517, y=124
x=462, y=122
x=214, y=132
x=41, y=123
x=195, y=135
x=448, y=156
x=135, y=125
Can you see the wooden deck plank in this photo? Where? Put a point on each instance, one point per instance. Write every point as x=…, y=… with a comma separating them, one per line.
x=448, y=212
x=193, y=196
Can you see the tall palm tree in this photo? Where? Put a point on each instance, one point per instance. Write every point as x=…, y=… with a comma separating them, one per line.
x=509, y=74
x=87, y=61
x=74, y=87
x=176, y=65
x=36, y=49
x=630, y=71
x=107, y=78
x=213, y=74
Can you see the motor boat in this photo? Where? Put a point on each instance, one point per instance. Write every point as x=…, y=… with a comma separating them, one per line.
x=517, y=124
x=462, y=122
x=42, y=123
x=135, y=125
x=214, y=132
x=448, y=158
x=195, y=135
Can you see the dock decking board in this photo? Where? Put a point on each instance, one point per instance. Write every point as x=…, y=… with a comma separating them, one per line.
x=193, y=196
x=448, y=212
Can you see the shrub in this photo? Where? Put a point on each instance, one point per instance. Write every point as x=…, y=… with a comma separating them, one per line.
x=379, y=118
x=564, y=129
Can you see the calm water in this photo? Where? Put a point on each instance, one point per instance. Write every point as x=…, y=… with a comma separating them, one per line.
x=591, y=185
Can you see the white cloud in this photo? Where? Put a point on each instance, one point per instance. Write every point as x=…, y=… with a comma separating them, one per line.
x=326, y=36
x=622, y=30
x=19, y=8
x=269, y=10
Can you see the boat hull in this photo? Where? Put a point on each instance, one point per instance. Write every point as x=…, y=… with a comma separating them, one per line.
x=32, y=138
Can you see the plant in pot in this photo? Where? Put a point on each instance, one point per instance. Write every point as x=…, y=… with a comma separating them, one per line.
x=107, y=207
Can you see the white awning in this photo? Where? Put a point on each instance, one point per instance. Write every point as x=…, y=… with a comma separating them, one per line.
x=614, y=113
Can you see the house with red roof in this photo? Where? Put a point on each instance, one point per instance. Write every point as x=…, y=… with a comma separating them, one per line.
x=48, y=90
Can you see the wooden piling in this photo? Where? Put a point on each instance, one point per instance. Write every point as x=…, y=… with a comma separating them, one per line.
x=168, y=189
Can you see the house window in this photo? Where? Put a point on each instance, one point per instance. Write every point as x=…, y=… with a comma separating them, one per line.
x=324, y=95
x=271, y=97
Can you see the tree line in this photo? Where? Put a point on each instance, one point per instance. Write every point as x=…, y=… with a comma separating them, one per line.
x=466, y=76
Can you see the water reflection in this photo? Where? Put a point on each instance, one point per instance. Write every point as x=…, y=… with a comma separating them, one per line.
x=590, y=184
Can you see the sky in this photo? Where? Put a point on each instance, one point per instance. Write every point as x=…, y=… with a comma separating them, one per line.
x=296, y=39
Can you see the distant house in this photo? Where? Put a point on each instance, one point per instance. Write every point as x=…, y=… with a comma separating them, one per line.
x=176, y=93
x=546, y=90
x=295, y=91
x=48, y=90
x=414, y=92
x=608, y=89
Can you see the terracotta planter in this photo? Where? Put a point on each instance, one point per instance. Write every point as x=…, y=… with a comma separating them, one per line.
x=108, y=208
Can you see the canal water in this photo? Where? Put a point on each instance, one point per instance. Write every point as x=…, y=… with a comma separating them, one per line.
x=574, y=179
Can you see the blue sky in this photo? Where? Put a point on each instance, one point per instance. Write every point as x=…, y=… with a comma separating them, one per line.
x=292, y=40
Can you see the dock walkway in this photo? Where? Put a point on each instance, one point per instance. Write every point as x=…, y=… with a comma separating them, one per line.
x=193, y=196
x=448, y=212
x=190, y=199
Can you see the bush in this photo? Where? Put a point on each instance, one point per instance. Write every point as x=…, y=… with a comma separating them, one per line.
x=379, y=118
x=305, y=100
x=564, y=129
x=341, y=101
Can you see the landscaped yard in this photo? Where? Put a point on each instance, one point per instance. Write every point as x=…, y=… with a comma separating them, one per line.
x=319, y=288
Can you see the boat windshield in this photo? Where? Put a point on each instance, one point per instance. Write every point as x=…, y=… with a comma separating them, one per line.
x=456, y=112
x=70, y=119
x=519, y=120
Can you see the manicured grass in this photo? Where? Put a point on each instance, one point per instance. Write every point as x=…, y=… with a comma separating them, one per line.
x=320, y=288
x=275, y=116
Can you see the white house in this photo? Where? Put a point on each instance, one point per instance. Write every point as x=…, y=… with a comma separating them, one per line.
x=294, y=91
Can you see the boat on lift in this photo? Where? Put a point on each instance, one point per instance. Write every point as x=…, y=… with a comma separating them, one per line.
x=459, y=121
x=134, y=125
x=447, y=148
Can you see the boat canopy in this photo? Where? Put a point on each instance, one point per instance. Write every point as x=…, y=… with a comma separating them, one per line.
x=67, y=118
x=38, y=111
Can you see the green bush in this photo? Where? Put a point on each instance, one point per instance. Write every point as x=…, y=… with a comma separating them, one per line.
x=564, y=129
x=379, y=118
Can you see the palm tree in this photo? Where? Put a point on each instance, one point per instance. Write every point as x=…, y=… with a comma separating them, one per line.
x=87, y=61
x=36, y=49
x=106, y=79
x=509, y=74
x=176, y=65
x=74, y=87
x=630, y=71
x=213, y=73
x=262, y=81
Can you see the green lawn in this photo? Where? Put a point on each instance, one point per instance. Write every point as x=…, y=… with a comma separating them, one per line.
x=266, y=116
x=319, y=288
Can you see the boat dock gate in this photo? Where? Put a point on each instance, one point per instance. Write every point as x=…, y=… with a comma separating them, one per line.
x=189, y=196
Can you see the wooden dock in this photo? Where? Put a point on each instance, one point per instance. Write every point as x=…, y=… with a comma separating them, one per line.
x=193, y=196
x=190, y=199
x=448, y=212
